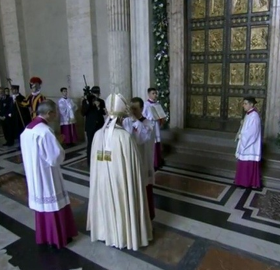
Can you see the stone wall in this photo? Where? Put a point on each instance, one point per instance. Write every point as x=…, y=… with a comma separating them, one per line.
x=58, y=41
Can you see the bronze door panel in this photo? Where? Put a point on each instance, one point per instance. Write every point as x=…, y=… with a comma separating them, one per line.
x=227, y=59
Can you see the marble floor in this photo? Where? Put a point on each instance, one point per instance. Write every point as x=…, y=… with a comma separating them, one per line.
x=202, y=223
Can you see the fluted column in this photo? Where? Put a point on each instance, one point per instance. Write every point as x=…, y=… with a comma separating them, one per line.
x=3, y=74
x=273, y=94
x=177, y=63
x=141, y=47
x=11, y=42
x=119, y=47
x=80, y=45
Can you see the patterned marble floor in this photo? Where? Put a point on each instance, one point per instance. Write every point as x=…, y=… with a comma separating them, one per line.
x=202, y=223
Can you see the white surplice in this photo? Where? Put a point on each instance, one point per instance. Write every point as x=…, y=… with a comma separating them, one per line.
x=118, y=211
x=67, y=109
x=250, y=142
x=42, y=156
x=148, y=114
x=143, y=132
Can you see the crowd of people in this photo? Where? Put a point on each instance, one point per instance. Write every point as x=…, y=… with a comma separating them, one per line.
x=123, y=153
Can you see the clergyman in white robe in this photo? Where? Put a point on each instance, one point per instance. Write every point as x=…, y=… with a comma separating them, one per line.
x=143, y=131
x=67, y=109
x=42, y=157
x=118, y=210
x=248, y=150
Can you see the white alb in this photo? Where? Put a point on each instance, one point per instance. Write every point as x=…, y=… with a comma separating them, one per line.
x=250, y=143
x=42, y=157
x=67, y=109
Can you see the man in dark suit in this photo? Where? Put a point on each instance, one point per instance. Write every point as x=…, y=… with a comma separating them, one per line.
x=20, y=114
x=6, y=105
x=93, y=109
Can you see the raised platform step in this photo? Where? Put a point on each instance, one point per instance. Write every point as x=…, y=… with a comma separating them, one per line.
x=201, y=136
x=217, y=167
x=210, y=137
x=272, y=160
x=212, y=153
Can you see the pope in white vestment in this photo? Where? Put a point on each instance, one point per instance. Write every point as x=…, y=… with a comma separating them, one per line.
x=67, y=109
x=118, y=211
x=248, y=151
x=143, y=131
x=42, y=157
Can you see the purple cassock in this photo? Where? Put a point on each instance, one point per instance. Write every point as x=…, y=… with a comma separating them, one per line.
x=69, y=133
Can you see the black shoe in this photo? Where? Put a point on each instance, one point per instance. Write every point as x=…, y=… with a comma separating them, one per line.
x=8, y=144
x=69, y=240
x=52, y=247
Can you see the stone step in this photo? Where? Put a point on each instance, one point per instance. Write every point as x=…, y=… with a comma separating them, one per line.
x=200, y=136
x=271, y=160
x=210, y=137
x=217, y=167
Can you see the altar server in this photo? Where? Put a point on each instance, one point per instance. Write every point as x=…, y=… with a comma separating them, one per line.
x=248, y=151
x=67, y=109
x=46, y=192
x=154, y=112
x=143, y=131
x=118, y=211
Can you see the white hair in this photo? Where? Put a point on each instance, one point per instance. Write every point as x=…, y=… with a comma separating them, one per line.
x=46, y=106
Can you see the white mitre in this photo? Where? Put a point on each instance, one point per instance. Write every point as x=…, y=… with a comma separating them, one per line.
x=116, y=106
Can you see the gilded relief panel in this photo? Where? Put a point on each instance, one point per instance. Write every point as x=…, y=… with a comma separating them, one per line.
x=216, y=8
x=216, y=40
x=257, y=74
x=237, y=74
x=260, y=5
x=197, y=76
x=213, y=106
x=227, y=59
x=259, y=105
x=235, y=107
x=198, y=9
x=238, y=38
x=214, y=73
x=198, y=41
x=259, y=38
x=196, y=105
x=239, y=6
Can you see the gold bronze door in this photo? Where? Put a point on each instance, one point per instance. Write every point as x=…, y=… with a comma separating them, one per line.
x=227, y=59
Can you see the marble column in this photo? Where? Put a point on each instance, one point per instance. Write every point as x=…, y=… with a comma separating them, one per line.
x=141, y=47
x=11, y=42
x=119, y=47
x=80, y=45
x=3, y=75
x=272, y=126
x=177, y=63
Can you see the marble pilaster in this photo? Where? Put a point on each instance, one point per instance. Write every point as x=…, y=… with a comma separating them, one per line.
x=80, y=45
x=273, y=93
x=11, y=42
x=119, y=47
x=177, y=63
x=3, y=75
x=141, y=47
